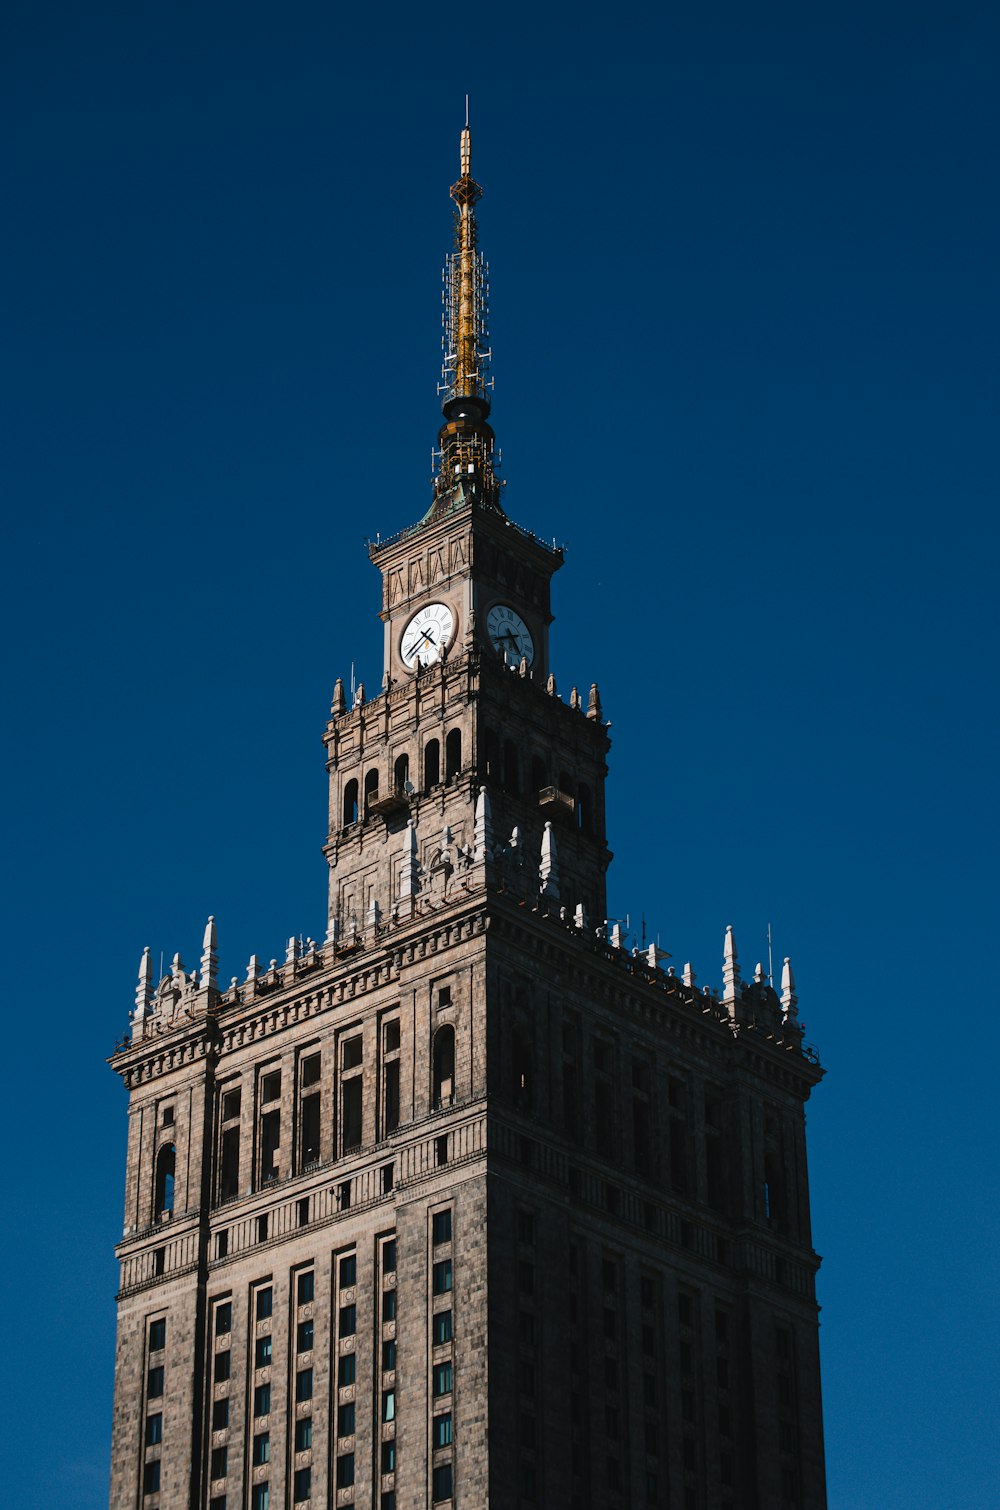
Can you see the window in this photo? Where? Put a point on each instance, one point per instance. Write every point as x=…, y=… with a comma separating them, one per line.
x=220, y=1414
x=154, y=1387
x=265, y=1302
x=157, y=1334
x=441, y=1149
x=270, y=1142
x=442, y=1378
x=525, y=1227
x=391, y=1108
x=345, y=1420
x=442, y=1327
x=391, y=1036
x=610, y=1275
x=309, y=1151
x=371, y=790
x=453, y=754
x=154, y=1429
x=526, y=1378
x=526, y=1327
x=442, y=1482
x=305, y=1287
x=441, y=1227
x=231, y=1105
x=261, y=1449
x=221, y=1371
x=347, y=1370
x=151, y=1478
x=388, y=1457
x=262, y=1219
x=348, y=1271
x=444, y=1066
x=311, y=1070
x=303, y=1385
x=350, y=1127
x=223, y=1318
x=401, y=773
x=262, y=1353
x=389, y=1405
x=229, y=1174
x=304, y=1337
x=262, y=1400
x=388, y=1357
x=389, y=1500
x=432, y=764
x=441, y=1428
x=302, y=1206
x=345, y=1470
x=220, y=1462
x=270, y=1086
x=302, y=1485
x=387, y=1178
x=442, y=1277
x=260, y=1497
x=348, y=1320
x=526, y=1277
x=389, y=1256
x=389, y=1305
x=217, y=1502
x=303, y=1434
x=350, y=803
x=165, y=1163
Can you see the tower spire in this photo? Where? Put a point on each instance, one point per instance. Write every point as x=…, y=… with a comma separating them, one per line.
x=466, y=467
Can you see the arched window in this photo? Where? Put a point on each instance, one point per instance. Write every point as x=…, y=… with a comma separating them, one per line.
x=510, y=781
x=401, y=773
x=521, y=1068
x=539, y=774
x=350, y=803
x=444, y=1066
x=371, y=789
x=584, y=810
x=453, y=754
x=165, y=1162
x=432, y=764
x=491, y=756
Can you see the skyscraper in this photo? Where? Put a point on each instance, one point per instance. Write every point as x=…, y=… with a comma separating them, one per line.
x=468, y=1203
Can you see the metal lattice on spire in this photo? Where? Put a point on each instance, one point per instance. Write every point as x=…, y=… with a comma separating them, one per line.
x=465, y=367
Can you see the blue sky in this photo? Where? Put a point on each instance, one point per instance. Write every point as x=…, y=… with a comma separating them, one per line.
x=745, y=330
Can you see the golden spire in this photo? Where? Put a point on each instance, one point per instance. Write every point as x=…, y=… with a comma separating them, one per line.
x=466, y=462
x=466, y=354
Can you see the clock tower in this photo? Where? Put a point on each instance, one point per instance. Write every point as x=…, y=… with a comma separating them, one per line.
x=472, y=1202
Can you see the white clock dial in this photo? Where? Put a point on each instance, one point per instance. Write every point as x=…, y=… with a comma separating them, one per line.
x=427, y=634
x=509, y=634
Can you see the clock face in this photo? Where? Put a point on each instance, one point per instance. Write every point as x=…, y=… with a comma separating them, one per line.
x=509, y=634
x=426, y=635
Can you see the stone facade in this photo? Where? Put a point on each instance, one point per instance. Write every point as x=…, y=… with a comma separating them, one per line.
x=467, y=1204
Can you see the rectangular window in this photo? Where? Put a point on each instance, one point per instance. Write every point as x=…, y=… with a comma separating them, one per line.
x=388, y=1457
x=151, y=1478
x=223, y=1319
x=154, y=1429
x=154, y=1385
x=262, y=1227
x=526, y=1277
x=229, y=1176
x=265, y=1303
x=230, y=1105
x=220, y=1373
x=302, y=1485
x=348, y=1320
x=442, y=1277
x=389, y=1256
x=260, y=1497
x=262, y=1400
x=304, y=1337
x=303, y=1434
x=351, y=1093
x=217, y=1502
x=261, y=1449
x=345, y=1420
x=347, y=1370
x=525, y=1227
x=441, y=1227
x=442, y=1327
x=262, y=1353
x=345, y=1470
x=348, y=1271
x=157, y=1335
x=310, y=1130
x=388, y=1357
x=442, y=1378
x=441, y=1427
x=442, y=1482
x=389, y=1405
x=389, y=1500
x=270, y=1086
x=352, y=1053
x=304, y=1385
x=305, y=1287
x=310, y=1070
x=270, y=1142
x=526, y=1327
x=389, y=1305
x=220, y=1462
x=391, y=1095
x=220, y=1414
